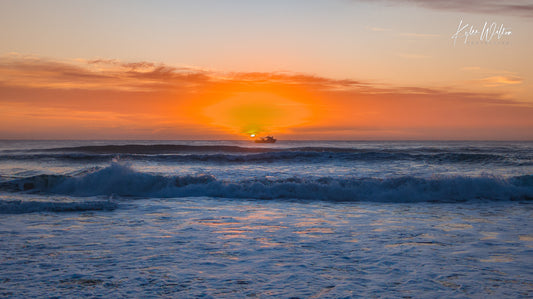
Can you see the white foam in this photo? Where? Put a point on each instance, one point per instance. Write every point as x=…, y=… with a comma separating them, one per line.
x=121, y=180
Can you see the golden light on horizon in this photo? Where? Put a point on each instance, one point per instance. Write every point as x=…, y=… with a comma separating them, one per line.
x=253, y=113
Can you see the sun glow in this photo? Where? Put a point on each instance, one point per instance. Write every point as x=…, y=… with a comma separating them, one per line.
x=253, y=113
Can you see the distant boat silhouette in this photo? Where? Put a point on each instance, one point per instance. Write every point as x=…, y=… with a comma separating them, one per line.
x=268, y=139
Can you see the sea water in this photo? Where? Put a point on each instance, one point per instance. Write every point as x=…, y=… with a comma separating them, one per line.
x=290, y=219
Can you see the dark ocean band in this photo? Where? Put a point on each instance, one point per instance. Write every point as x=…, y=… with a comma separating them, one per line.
x=120, y=180
x=291, y=155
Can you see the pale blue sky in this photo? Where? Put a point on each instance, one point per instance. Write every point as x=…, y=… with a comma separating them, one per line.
x=339, y=38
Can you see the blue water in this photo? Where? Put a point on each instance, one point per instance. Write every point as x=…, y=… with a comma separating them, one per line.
x=295, y=218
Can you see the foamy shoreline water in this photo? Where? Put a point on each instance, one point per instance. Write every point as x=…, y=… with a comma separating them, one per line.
x=191, y=247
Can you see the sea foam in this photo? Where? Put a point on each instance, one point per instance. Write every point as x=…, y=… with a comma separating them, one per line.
x=122, y=180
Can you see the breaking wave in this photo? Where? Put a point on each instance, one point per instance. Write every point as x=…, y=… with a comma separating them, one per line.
x=122, y=181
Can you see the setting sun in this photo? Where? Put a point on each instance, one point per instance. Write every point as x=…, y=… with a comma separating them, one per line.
x=253, y=113
x=285, y=149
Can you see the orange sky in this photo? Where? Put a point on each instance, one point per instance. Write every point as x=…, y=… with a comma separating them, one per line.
x=111, y=99
x=297, y=70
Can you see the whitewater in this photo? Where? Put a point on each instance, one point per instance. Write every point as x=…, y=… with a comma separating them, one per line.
x=291, y=219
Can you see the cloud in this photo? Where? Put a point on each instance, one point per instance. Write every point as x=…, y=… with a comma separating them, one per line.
x=29, y=71
x=290, y=78
x=519, y=8
x=425, y=113
x=112, y=74
x=69, y=98
x=501, y=80
x=25, y=73
x=493, y=77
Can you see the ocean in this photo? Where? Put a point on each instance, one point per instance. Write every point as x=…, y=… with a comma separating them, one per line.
x=301, y=219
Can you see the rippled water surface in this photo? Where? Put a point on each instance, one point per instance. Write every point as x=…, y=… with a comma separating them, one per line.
x=295, y=219
x=192, y=247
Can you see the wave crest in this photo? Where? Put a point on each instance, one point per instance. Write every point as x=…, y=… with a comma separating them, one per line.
x=121, y=180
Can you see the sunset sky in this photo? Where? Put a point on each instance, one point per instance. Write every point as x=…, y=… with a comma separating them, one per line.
x=337, y=69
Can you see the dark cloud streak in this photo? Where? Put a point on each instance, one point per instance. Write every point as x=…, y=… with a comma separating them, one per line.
x=151, y=77
x=519, y=8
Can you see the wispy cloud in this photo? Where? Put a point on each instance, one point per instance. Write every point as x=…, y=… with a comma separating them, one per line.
x=144, y=97
x=520, y=8
x=493, y=77
x=501, y=80
x=29, y=71
x=141, y=76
